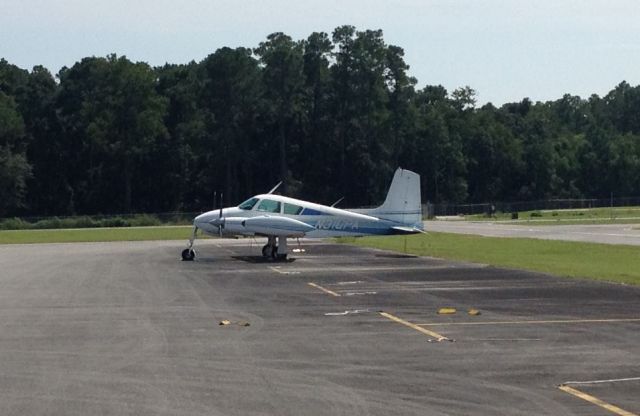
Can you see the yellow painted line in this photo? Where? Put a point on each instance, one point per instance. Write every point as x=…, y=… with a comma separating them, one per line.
x=325, y=290
x=596, y=401
x=559, y=321
x=414, y=326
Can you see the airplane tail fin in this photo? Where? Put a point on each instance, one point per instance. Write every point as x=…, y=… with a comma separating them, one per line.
x=403, y=203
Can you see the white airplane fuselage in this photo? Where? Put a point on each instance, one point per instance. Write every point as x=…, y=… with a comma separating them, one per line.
x=324, y=221
x=280, y=217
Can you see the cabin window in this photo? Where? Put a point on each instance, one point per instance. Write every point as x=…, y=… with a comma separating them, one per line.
x=309, y=211
x=268, y=205
x=292, y=209
x=248, y=204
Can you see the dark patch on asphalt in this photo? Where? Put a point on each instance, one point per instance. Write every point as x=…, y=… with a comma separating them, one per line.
x=263, y=260
x=396, y=256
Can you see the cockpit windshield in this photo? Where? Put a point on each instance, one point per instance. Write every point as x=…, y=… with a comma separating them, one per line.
x=248, y=204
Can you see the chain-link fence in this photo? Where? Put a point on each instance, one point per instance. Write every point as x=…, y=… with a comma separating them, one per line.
x=98, y=221
x=445, y=209
x=429, y=210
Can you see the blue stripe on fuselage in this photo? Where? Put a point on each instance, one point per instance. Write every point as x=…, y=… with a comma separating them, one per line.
x=335, y=226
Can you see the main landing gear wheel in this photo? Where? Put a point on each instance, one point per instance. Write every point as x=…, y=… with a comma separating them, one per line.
x=272, y=251
x=188, y=254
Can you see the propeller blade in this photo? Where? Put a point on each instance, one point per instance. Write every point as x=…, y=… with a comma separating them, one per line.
x=221, y=204
x=220, y=215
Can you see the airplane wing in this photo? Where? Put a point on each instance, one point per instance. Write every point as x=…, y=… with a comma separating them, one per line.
x=275, y=225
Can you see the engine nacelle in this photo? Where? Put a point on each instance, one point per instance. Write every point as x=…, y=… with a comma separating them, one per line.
x=234, y=226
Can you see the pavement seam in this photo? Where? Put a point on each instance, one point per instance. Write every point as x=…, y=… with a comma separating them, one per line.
x=542, y=322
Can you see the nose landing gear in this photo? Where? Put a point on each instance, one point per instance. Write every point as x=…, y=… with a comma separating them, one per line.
x=189, y=254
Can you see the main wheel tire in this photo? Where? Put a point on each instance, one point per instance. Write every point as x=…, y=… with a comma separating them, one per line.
x=265, y=250
x=188, y=254
x=274, y=253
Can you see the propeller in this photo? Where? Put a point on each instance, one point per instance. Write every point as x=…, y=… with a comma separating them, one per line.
x=221, y=224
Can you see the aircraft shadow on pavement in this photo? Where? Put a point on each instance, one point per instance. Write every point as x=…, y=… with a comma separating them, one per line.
x=261, y=259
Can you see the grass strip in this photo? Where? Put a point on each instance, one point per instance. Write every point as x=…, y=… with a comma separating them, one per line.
x=570, y=222
x=96, y=235
x=616, y=215
x=616, y=263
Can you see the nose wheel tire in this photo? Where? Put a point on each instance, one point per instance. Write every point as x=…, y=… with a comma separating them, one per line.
x=188, y=254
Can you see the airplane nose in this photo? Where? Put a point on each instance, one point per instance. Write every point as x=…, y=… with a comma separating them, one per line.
x=209, y=218
x=217, y=221
x=201, y=219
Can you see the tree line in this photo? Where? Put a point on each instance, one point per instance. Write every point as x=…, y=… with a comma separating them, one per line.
x=330, y=115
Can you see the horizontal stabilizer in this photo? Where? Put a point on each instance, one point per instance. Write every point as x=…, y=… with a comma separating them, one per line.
x=406, y=230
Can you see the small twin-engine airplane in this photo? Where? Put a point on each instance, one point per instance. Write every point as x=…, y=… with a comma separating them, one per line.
x=272, y=216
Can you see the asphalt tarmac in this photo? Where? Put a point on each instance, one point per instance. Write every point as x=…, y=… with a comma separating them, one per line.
x=628, y=234
x=129, y=329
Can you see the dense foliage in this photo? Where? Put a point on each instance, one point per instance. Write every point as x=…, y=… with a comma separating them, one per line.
x=331, y=115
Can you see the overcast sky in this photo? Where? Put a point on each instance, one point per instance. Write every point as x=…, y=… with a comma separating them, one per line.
x=505, y=49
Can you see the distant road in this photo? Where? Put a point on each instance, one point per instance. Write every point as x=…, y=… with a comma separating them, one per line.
x=606, y=234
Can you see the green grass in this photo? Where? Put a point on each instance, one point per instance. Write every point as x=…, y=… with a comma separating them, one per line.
x=616, y=215
x=615, y=263
x=95, y=235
